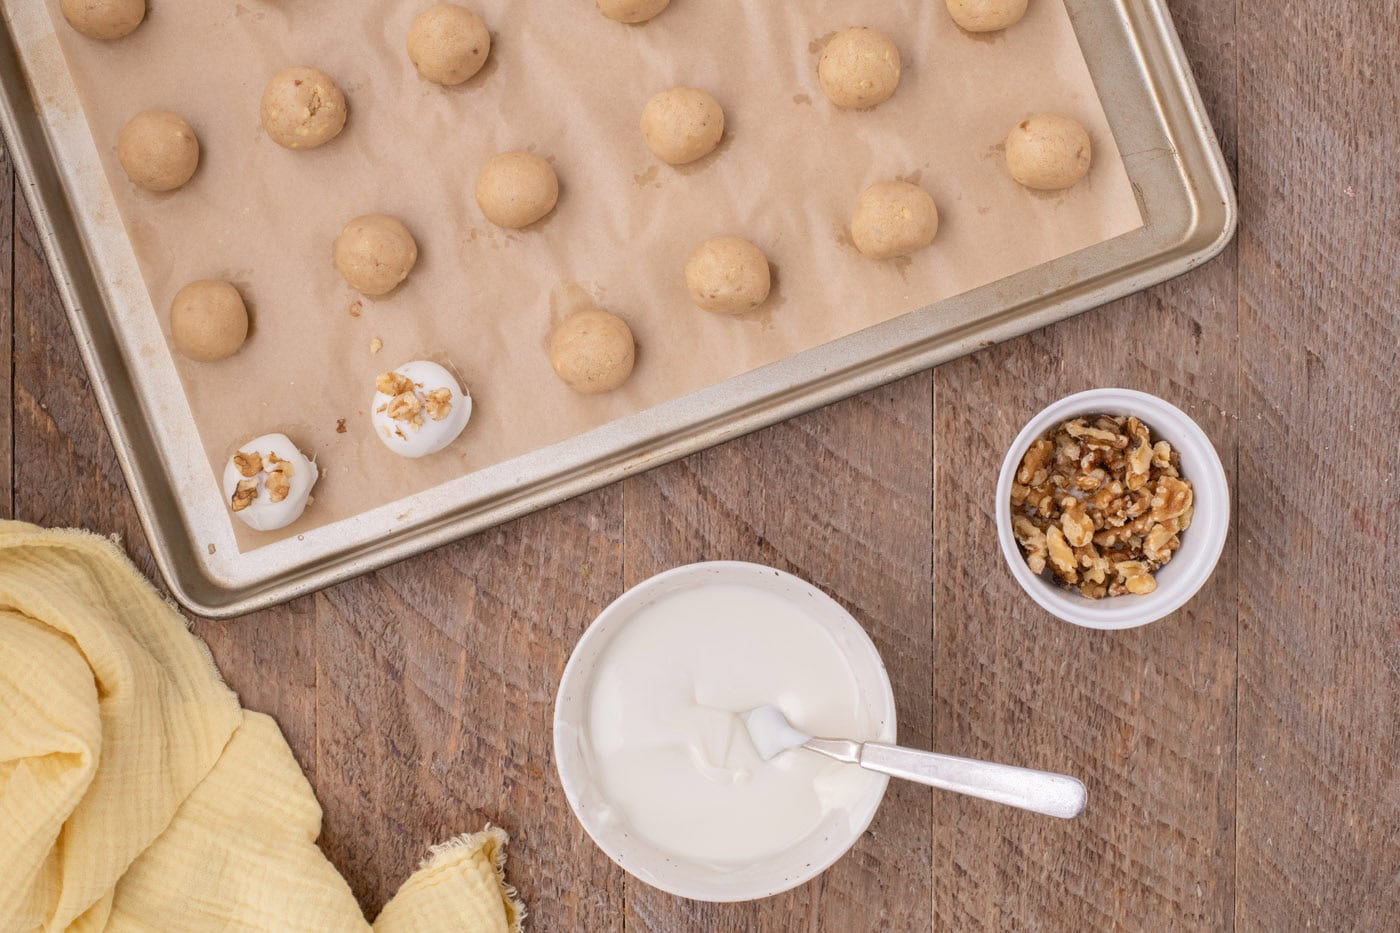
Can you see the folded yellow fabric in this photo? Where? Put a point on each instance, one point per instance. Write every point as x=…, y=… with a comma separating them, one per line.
x=135, y=793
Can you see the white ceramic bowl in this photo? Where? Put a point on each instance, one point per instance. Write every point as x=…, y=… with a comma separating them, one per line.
x=1201, y=544
x=662, y=869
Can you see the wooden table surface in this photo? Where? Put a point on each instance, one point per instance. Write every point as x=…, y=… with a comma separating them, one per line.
x=1240, y=755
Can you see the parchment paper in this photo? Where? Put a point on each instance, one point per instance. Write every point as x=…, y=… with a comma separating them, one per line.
x=565, y=82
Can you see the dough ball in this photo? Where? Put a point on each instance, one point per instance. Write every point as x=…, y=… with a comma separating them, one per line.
x=302, y=108
x=682, y=125
x=448, y=43
x=374, y=253
x=158, y=150
x=208, y=320
x=104, y=19
x=986, y=15
x=515, y=189
x=728, y=275
x=592, y=351
x=893, y=218
x=632, y=11
x=1048, y=151
x=859, y=68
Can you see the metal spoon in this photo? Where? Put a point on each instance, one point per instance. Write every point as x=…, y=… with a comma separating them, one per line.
x=1039, y=791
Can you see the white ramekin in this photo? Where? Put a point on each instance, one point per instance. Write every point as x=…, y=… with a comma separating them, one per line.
x=1201, y=544
x=664, y=870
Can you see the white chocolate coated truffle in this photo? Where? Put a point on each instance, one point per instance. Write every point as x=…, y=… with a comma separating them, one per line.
x=632, y=11
x=516, y=189
x=859, y=68
x=158, y=150
x=592, y=351
x=893, y=218
x=104, y=19
x=986, y=15
x=419, y=409
x=728, y=275
x=267, y=482
x=448, y=44
x=374, y=254
x=302, y=108
x=1048, y=152
x=682, y=125
x=208, y=320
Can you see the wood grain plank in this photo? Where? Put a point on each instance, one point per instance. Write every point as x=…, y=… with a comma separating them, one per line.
x=269, y=659
x=1146, y=717
x=840, y=497
x=435, y=707
x=7, y=282
x=65, y=470
x=1319, y=790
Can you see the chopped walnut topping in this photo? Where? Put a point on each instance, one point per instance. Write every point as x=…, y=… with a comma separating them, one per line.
x=407, y=407
x=1100, y=506
x=244, y=494
x=355, y=308
x=392, y=383
x=375, y=345
x=248, y=464
x=340, y=426
x=279, y=483
x=438, y=403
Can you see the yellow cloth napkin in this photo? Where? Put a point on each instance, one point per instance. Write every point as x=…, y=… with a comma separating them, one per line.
x=135, y=793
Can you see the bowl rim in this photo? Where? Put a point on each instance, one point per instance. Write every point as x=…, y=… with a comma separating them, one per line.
x=626, y=602
x=1206, y=536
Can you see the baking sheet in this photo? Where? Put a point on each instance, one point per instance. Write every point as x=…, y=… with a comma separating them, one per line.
x=569, y=84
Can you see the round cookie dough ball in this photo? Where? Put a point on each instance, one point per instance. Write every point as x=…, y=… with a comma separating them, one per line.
x=728, y=275
x=893, y=218
x=302, y=108
x=515, y=189
x=158, y=150
x=859, y=68
x=592, y=351
x=448, y=43
x=208, y=320
x=104, y=19
x=682, y=125
x=1048, y=151
x=986, y=15
x=632, y=11
x=374, y=253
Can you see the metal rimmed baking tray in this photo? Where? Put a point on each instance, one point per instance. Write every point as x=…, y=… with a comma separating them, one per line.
x=1172, y=159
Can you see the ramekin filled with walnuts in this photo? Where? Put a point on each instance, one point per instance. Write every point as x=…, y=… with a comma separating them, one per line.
x=1112, y=508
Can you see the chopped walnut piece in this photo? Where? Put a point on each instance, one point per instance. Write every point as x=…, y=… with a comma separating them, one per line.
x=392, y=383
x=375, y=345
x=1100, y=506
x=406, y=406
x=1135, y=576
x=244, y=494
x=1075, y=522
x=1061, y=557
x=1032, y=541
x=355, y=308
x=1159, y=544
x=340, y=426
x=438, y=403
x=1172, y=498
x=248, y=464
x=279, y=484
x=1034, y=465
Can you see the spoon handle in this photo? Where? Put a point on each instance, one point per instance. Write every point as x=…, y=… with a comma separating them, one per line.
x=1039, y=791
